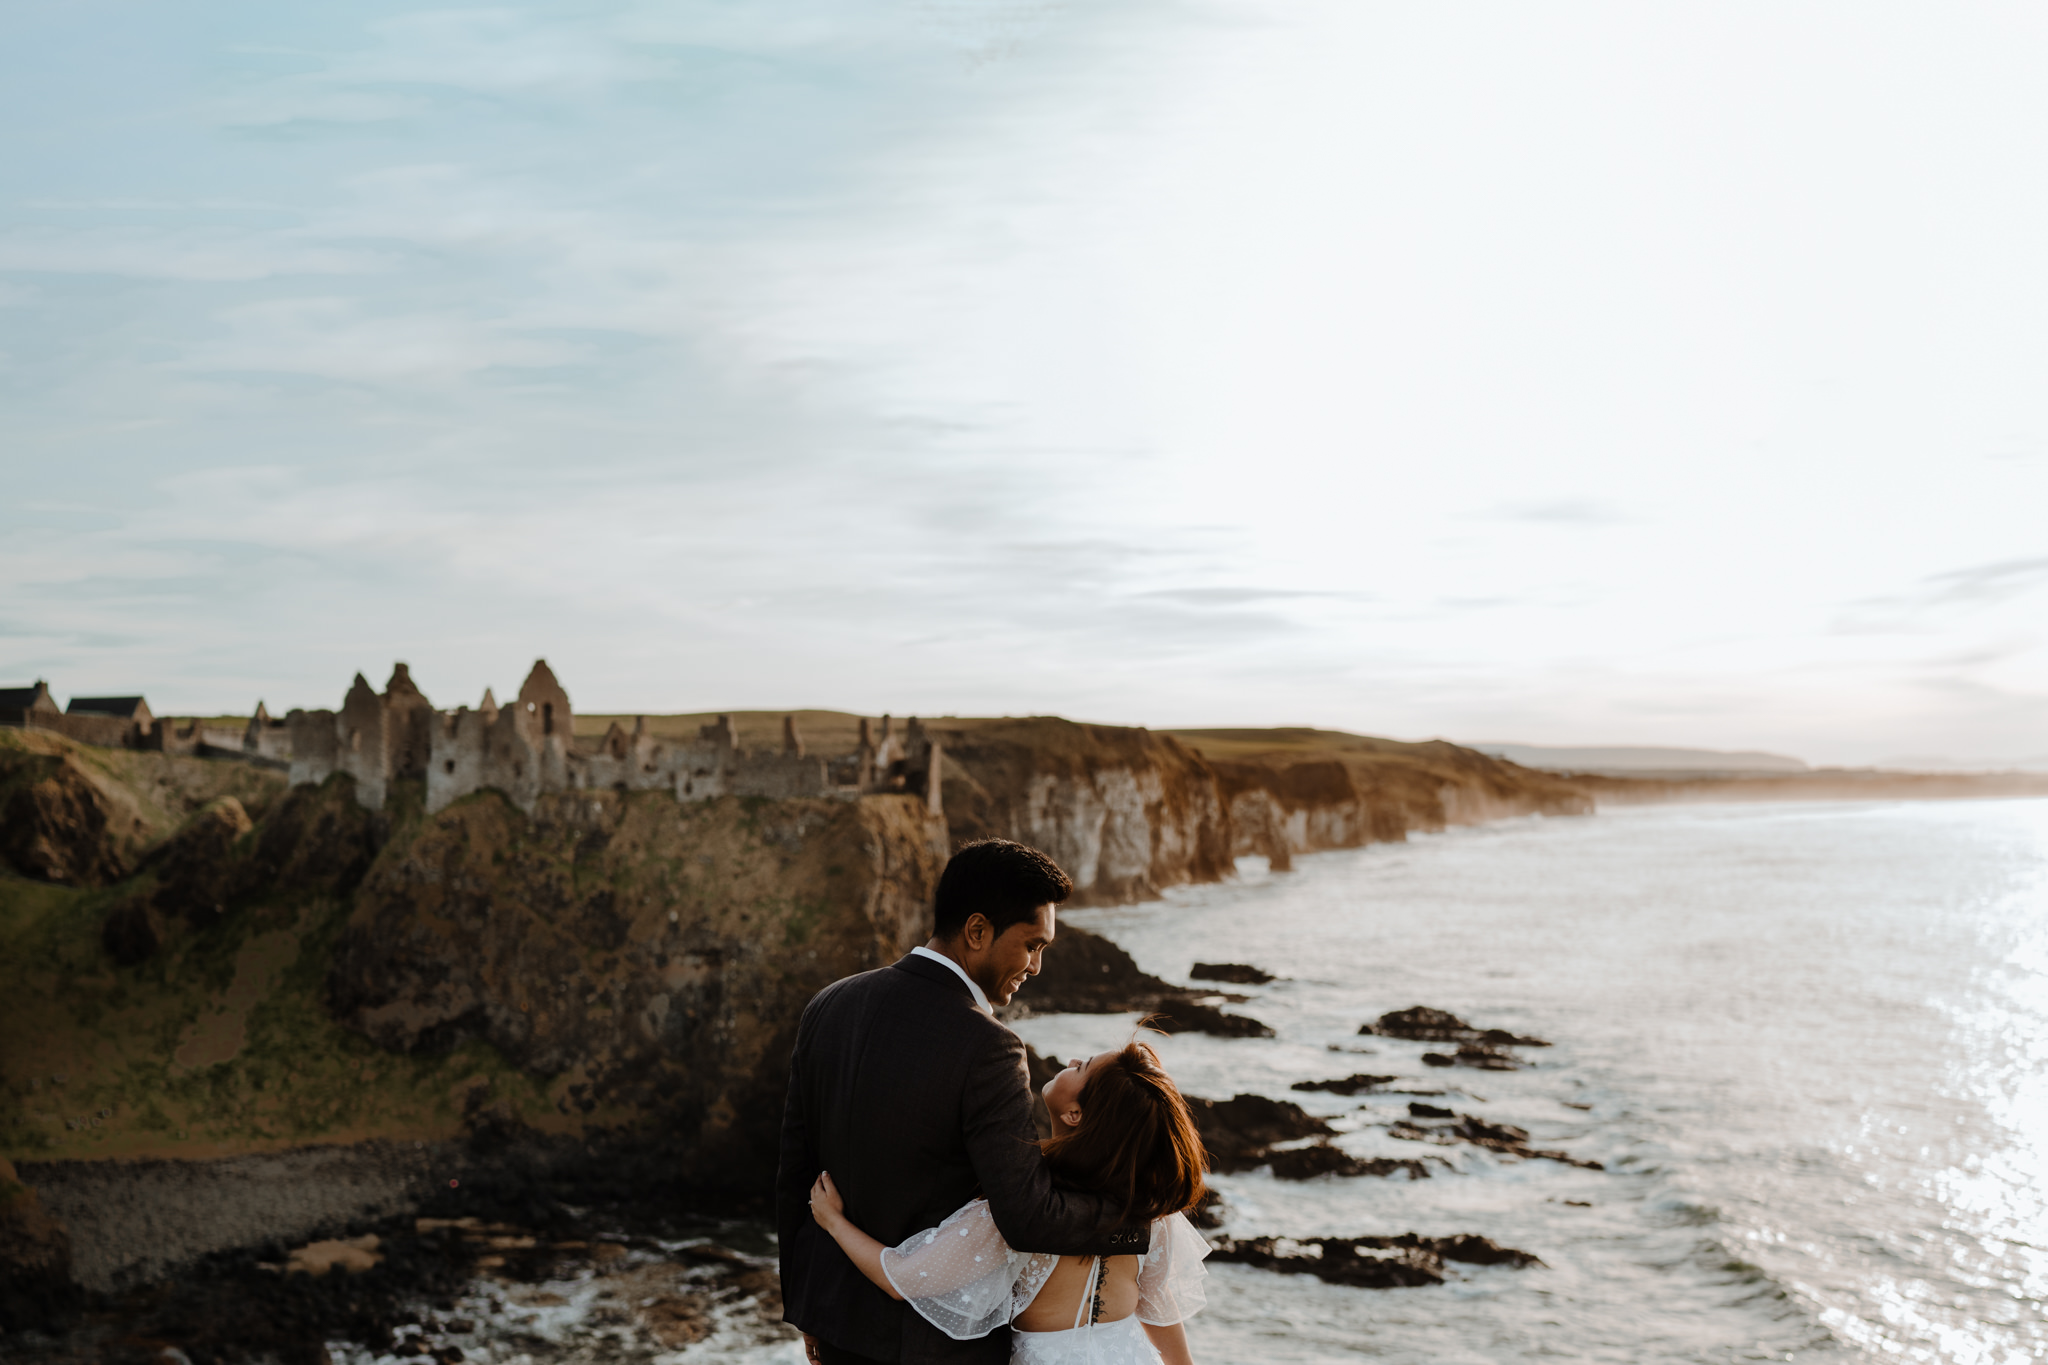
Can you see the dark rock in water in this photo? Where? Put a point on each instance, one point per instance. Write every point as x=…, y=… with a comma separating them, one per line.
x=1409, y=1261
x=1238, y=1131
x=1476, y=1250
x=1041, y=1069
x=1498, y=1137
x=1341, y=1262
x=1567, y=1159
x=1208, y=1214
x=1479, y=1056
x=1306, y=1163
x=1235, y=973
x=1185, y=1016
x=1500, y=1037
x=1350, y=1085
x=1084, y=973
x=1410, y=1132
x=1478, y=1130
x=1421, y=1024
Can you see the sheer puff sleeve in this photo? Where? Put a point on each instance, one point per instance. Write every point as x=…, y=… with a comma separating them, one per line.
x=1171, y=1274
x=961, y=1276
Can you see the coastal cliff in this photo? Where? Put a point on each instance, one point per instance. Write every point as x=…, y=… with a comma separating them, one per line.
x=234, y=1010
x=1130, y=812
x=606, y=989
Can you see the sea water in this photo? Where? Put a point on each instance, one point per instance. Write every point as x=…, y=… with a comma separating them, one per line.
x=1806, y=1041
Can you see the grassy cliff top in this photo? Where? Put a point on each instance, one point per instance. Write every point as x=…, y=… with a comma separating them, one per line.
x=1295, y=742
x=834, y=732
x=828, y=732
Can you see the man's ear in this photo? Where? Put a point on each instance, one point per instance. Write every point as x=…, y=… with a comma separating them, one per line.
x=975, y=933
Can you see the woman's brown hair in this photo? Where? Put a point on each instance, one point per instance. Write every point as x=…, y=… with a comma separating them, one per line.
x=1137, y=1142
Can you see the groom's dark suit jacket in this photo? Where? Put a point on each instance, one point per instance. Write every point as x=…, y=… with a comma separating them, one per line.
x=916, y=1102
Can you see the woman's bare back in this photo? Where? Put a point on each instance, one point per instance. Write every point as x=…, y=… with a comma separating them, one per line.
x=1058, y=1305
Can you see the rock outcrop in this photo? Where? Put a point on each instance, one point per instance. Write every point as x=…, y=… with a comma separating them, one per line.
x=1505, y=1138
x=1230, y=973
x=195, y=868
x=1292, y=791
x=315, y=842
x=78, y=815
x=1323, y=1158
x=1480, y=1049
x=1127, y=812
x=650, y=959
x=1085, y=973
x=1239, y=1131
x=1410, y=1260
x=1130, y=812
x=1422, y=1024
x=58, y=824
x=1347, y=1085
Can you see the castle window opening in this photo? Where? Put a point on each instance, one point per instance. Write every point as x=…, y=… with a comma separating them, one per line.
x=547, y=718
x=450, y=765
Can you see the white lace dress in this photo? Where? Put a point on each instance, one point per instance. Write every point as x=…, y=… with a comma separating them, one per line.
x=965, y=1280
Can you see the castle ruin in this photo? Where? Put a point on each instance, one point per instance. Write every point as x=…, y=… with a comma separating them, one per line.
x=529, y=748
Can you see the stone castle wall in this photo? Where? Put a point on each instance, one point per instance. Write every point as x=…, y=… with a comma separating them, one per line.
x=528, y=748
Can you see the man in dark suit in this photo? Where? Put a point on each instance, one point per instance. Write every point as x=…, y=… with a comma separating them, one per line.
x=908, y=1091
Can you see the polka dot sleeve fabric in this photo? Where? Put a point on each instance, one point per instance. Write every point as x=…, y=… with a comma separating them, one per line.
x=962, y=1278
x=1171, y=1274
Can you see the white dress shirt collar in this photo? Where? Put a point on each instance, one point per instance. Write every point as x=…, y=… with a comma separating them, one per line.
x=980, y=998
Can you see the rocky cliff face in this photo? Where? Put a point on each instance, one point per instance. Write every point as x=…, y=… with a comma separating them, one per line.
x=1130, y=812
x=604, y=991
x=648, y=959
x=1126, y=812
x=1303, y=791
x=612, y=962
x=83, y=816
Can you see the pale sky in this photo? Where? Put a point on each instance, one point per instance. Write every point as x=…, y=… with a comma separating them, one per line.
x=1568, y=374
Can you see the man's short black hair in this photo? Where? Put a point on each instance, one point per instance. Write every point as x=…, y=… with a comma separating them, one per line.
x=1006, y=882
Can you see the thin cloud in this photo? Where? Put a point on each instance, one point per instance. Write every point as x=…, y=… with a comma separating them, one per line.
x=197, y=255
x=1230, y=597
x=1563, y=512
x=1995, y=582
x=1937, y=595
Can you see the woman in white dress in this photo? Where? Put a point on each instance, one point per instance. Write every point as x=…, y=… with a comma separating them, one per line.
x=1120, y=1129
